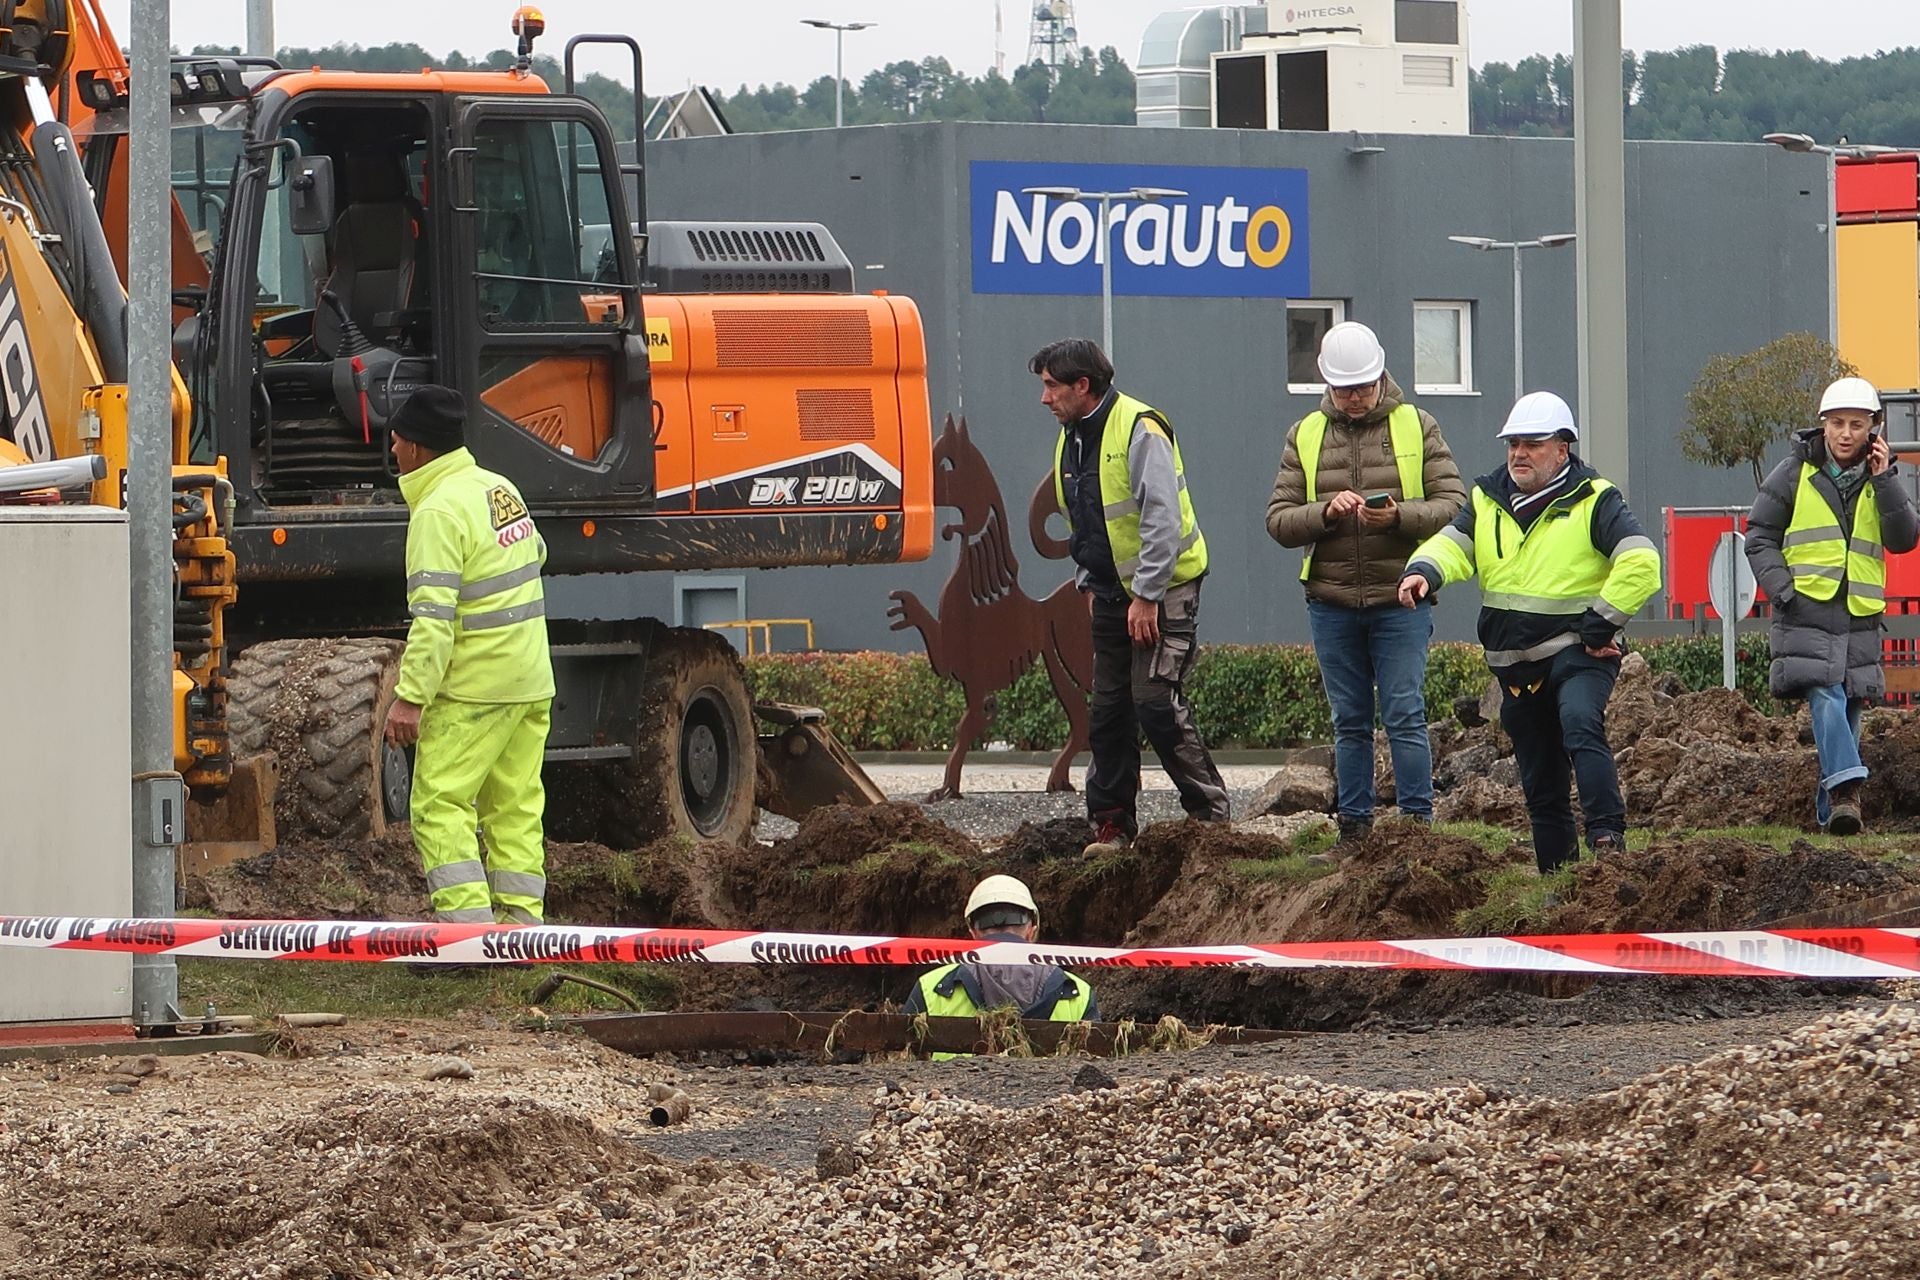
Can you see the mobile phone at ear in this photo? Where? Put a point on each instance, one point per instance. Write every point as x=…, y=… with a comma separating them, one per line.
x=1379, y=499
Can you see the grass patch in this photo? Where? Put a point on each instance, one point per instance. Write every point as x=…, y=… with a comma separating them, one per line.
x=1317, y=838
x=1291, y=868
x=1781, y=839
x=266, y=988
x=1516, y=896
x=1495, y=840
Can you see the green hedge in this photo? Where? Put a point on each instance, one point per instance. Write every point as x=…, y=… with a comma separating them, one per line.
x=1243, y=695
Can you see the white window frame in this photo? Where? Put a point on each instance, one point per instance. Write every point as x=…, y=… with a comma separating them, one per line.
x=1338, y=306
x=1465, y=387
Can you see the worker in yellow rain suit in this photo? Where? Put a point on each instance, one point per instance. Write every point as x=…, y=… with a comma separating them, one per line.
x=476, y=684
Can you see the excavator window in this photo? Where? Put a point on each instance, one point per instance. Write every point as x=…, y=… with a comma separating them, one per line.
x=537, y=261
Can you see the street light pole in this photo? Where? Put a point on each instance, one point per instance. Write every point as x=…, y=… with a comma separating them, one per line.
x=1104, y=240
x=839, y=30
x=1804, y=144
x=1487, y=243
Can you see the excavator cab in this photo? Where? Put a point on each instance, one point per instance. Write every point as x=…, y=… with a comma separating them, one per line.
x=459, y=265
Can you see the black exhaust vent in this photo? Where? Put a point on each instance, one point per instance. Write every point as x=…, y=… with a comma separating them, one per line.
x=745, y=257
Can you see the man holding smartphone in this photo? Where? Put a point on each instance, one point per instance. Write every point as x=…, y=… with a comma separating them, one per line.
x=1818, y=539
x=1362, y=480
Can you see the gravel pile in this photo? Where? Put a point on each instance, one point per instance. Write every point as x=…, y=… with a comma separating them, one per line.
x=1792, y=1158
x=1796, y=1157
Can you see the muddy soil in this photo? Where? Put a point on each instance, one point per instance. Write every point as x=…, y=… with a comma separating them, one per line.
x=892, y=869
x=1687, y=760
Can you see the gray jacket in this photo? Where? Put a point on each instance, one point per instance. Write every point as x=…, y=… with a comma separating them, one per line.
x=1818, y=642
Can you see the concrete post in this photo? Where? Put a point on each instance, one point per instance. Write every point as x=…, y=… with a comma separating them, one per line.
x=1600, y=221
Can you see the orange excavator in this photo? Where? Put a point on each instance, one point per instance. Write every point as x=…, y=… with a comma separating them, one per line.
x=683, y=396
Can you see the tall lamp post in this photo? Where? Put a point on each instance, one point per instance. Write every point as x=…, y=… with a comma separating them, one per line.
x=839, y=30
x=1804, y=144
x=1486, y=243
x=1103, y=228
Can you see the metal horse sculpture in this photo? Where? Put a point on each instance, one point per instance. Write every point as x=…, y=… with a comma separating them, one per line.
x=988, y=630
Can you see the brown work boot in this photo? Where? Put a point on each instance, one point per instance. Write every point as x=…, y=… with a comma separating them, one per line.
x=1845, y=818
x=1108, y=837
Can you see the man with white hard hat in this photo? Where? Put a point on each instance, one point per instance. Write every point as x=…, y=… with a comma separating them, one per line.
x=1817, y=539
x=1363, y=479
x=1001, y=909
x=1563, y=565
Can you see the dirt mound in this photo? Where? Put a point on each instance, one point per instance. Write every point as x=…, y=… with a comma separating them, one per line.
x=354, y=1188
x=1682, y=883
x=344, y=879
x=1697, y=760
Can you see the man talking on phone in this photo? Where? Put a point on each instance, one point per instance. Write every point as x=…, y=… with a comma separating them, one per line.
x=1362, y=480
x=1818, y=540
x=1563, y=564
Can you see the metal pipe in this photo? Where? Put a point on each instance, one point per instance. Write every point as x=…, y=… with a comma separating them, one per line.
x=61, y=473
x=149, y=497
x=671, y=1105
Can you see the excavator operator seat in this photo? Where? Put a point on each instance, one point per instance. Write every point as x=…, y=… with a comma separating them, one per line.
x=375, y=251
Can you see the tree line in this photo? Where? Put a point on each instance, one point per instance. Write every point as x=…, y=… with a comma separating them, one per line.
x=1696, y=93
x=1088, y=88
x=1702, y=94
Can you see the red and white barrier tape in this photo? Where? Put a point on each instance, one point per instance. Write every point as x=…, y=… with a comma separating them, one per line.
x=1784, y=953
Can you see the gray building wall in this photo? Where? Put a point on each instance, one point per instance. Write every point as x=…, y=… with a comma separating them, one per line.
x=1725, y=253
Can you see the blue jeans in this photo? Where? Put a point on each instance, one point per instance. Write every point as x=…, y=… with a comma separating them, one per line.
x=1836, y=737
x=1359, y=650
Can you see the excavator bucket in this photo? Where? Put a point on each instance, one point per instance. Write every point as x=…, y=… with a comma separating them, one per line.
x=235, y=824
x=805, y=767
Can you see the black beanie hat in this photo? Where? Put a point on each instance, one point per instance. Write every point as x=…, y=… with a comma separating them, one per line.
x=434, y=417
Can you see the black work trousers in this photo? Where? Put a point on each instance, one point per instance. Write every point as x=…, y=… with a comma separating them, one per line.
x=1141, y=689
x=1557, y=718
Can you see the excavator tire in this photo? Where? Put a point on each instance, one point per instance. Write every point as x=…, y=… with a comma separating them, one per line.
x=695, y=758
x=321, y=706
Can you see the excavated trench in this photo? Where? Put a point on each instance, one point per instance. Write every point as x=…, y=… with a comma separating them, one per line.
x=893, y=869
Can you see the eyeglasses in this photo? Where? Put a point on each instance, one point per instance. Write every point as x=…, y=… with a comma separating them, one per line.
x=1360, y=390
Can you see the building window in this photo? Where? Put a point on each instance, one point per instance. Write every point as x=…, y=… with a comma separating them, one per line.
x=1308, y=320
x=1442, y=347
x=1426, y=22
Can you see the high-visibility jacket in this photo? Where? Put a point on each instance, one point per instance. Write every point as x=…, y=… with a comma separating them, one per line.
x=1582, y=551
x=1820, y=554
x=1404, y=433
x=952, y=991
x=479, y=631
x=1121, y=509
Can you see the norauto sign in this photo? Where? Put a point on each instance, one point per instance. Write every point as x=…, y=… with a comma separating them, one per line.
x=1235, y=233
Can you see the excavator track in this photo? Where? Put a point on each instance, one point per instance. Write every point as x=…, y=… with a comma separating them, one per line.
x=320, y=707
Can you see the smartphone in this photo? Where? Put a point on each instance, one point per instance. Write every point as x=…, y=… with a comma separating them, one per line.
x=1379, y=499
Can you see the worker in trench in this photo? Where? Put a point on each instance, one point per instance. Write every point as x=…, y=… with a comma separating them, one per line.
x=1001, y=909
x=476, y=683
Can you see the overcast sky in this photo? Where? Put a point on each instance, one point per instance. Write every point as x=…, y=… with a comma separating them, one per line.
x=724, y=43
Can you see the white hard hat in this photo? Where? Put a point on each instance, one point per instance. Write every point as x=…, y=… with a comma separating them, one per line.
x=1850, y=393
x=1350, y=356
x=1001, y=891
x=1540, y=413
